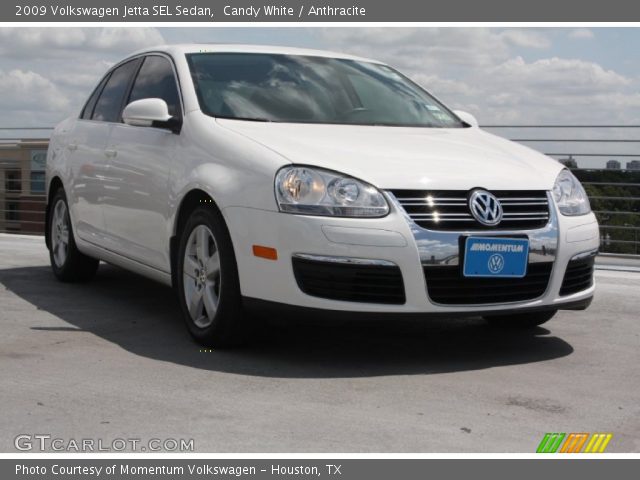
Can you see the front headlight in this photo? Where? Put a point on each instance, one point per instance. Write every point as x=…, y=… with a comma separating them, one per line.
x=570, y=195
x=314, y=191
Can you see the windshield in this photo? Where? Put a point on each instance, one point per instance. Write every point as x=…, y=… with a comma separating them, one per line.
x=307, y=89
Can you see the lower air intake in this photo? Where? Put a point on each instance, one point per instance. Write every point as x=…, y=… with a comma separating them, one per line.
x=578, y=277
x=447, y=286
x=350, y=282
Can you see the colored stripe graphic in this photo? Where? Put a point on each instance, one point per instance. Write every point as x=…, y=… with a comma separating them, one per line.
x=573, y=442
x=598, y=443
x=550, y=442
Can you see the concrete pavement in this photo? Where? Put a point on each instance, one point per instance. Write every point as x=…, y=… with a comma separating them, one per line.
x=111, y=359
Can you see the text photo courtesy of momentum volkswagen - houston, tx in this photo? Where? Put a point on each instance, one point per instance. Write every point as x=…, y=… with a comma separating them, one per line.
x=285, y=240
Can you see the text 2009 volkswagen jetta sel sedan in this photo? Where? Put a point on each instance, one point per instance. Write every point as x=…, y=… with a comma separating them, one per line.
x=264, y=175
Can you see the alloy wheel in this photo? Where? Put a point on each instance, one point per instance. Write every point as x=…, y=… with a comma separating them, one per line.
x=60, y=233
x=201, y=276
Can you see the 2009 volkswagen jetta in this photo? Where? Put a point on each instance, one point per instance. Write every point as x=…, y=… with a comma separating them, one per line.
x=249, y=176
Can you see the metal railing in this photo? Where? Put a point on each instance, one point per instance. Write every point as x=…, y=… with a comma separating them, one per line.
x=618, y=213
x=614, y=193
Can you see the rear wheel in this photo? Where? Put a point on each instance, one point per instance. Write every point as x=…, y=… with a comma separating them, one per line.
x=67, y=262
x=207, y=281
x=520, y=320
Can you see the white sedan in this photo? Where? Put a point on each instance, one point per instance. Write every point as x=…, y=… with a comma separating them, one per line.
x=251, y=176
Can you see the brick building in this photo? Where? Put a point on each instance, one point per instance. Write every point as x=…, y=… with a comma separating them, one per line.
x=22, y=185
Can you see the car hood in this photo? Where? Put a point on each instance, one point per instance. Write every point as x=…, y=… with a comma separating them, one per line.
x=407, y=158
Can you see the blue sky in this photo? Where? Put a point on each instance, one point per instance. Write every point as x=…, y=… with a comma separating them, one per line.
x=501, y=75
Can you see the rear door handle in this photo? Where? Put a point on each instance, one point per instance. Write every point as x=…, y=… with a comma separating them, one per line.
x=110, y=152
x=72, y=146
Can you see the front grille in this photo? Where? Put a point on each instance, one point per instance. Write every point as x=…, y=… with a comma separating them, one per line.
x=350, y=282
x=446, y=285
x=449, y=209
x=578, y=276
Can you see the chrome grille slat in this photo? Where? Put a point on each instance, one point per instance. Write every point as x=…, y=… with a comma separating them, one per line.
x=522, y=214
x=449, y=210
x=440, y=215
x=468, y=220
x=424, y=199
x=524, y=204
x=434, y=204
x=513, y=219
x=519, y=199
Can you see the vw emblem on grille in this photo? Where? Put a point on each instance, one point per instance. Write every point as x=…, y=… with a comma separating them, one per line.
x=485, y=207
x=496, y=263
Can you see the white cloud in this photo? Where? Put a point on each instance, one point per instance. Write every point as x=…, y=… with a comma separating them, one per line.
x=483, y=71
x=51, y=71
x=557, y=90
x=46, y=43
x=500, y=75
x=444, y=86
x=422, y=47
x=80, y=77
x=526, y=38
x=124, y=39
x=27, y=90
x=558, y=76
x=581, y=34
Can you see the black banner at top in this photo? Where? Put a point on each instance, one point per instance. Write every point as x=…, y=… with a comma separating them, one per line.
x=234, y=11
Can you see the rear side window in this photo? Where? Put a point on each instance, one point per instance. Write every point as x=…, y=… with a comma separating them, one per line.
x=109, y=104
x=91, y=103
x=157, y=80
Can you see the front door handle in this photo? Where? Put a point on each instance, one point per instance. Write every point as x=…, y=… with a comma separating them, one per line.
x=72, y=146
x=110, y=152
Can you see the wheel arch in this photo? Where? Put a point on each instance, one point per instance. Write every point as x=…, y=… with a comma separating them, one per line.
x=190, y=201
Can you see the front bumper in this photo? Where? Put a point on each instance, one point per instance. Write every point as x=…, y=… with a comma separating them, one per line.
x=392, y=239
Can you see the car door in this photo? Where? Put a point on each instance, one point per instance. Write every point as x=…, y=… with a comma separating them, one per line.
x=137, y=217
x=89, y=156
x=85, y=154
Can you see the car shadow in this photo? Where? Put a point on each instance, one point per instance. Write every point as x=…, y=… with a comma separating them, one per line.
x=143, y=318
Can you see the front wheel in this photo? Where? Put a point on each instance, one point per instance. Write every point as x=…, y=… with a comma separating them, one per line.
x=67, y=262
x=520, y=320
x=207, y=281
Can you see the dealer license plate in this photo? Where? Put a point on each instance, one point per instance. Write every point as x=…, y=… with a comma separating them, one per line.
x=495, y=257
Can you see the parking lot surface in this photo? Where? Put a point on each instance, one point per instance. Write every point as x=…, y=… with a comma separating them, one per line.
x=111, y=359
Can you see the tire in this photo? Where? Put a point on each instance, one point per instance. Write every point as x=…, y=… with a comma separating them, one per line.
x=207, y=281
x=520, y=320
x=67, y=262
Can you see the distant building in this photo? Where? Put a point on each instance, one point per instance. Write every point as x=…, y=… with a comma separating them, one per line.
x=22, y=201
x=569, y=162
x=633, y=165
x=613, y=165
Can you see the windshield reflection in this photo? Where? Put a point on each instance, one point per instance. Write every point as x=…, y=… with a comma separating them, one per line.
x=308, y=89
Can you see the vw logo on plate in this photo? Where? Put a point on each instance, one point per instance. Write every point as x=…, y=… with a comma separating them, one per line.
x=485, y=207
x=496, y=263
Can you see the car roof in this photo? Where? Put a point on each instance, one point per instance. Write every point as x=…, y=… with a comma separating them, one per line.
x=239, y=48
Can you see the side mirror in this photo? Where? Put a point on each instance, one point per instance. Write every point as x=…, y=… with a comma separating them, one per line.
x=467, y=118
x=150, y=112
